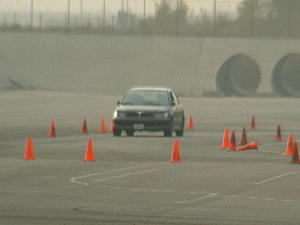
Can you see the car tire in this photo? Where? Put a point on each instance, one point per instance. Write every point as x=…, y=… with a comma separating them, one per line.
x=117, y=132
x=179, y=133
x=130, y=133
x=169, y=131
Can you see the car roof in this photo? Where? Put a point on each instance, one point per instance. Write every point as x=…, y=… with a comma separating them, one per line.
x=150, y=89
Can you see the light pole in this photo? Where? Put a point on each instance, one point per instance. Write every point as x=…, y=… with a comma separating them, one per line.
x=81, y=12
x=31, y=13
x=144, y=25
x=68, y=14
x=104, y=14
x=215, y=17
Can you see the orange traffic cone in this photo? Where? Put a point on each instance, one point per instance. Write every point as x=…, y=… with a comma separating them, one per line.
x=278, y=134
x=28, y=152
x=295, y=155
x=84, y=127
x=251, y=145
x=52, y=132
x=289, y=146
x=89, y=151
x=244, y=140
x=225, y=141
x=253, y=125
x=232, y=144
x=175, y=152
x=111, y=126
x=190, y=125
x=102, y=128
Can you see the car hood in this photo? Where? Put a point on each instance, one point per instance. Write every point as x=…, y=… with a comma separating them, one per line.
x=142, y=108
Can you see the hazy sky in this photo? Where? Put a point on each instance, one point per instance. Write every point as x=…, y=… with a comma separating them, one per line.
x=94, y=6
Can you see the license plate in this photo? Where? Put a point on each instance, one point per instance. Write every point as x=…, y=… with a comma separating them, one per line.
x=138, y=126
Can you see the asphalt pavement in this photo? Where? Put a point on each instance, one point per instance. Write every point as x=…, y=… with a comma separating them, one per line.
x=132, y=181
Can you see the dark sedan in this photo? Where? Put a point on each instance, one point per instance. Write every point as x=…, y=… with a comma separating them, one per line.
x=149, y=109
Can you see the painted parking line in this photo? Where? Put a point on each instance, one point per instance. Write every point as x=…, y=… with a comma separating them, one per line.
x=274, y=178
x=144, y=189
x=254, y=198
x=210, y=195
x=125, y=175
x=75, y=179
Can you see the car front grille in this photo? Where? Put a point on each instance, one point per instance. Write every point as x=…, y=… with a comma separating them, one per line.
x=139, y=115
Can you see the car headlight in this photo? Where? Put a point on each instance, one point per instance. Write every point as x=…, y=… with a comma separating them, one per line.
x=115, y=115
x=161, y=115
x=121, y=114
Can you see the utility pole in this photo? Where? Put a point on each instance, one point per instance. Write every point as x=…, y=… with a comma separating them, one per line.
x=41, y=21
x=144, y=25
x=81, y=12
x=31, y=13
x=104, y=15
x=289, y=20
x=122, y=5
x=68, y=14
x=253, y=7
x=15, y=19
x=215, y=17
x=177, y=15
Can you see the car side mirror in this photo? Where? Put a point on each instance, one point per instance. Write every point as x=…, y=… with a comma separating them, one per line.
x=118, y=102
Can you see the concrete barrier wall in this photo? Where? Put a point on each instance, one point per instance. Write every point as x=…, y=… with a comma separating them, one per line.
x=112, y=64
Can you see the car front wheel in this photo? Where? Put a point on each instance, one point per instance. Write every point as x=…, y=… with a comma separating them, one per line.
x=130, y=133
x=169, y=131
x=117, y=132
x=179, y=133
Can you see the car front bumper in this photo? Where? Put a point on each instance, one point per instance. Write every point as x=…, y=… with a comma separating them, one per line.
x=142, y=124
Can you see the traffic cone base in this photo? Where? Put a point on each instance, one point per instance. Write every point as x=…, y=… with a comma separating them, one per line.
x=89, y=152
x=225, y=141
x=28, y=151
x=250, y=146
x=175, y=152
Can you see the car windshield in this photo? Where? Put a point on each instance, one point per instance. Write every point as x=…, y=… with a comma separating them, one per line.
x=146, y=97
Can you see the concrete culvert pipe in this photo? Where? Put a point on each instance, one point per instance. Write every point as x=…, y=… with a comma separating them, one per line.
x=238, y=76
x=286, y=76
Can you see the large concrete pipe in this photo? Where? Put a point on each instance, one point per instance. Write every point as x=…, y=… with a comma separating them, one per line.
x=238, y=76
x=286, y=76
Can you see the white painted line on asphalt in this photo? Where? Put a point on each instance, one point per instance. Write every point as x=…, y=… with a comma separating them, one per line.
x=125, y=175
x=252, y=197
x=269, y=199
x=274, y=178
x=199, y=198
x=148, y=189
x=270, y=144
x=234, y=196
x=74, y=179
